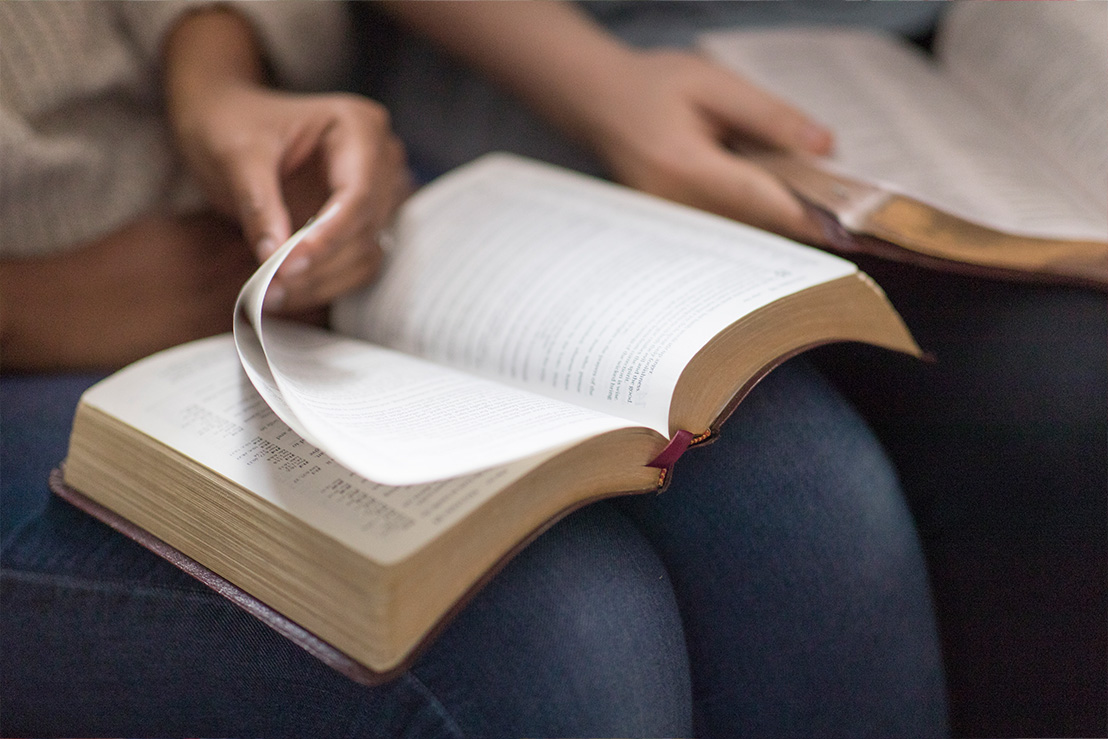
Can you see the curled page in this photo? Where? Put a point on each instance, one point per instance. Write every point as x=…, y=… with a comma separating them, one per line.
x=388, y=416
x=247, y=330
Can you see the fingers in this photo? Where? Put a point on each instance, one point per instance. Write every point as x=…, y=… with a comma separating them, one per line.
x=739, y=189
x=759, y=115
x=366, y=175
x=271, y=159
x=712, y=178
x=344, y=271
x=682, y=149
x=258, y=200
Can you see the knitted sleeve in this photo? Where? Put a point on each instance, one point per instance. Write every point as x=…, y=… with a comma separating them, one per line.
x=84, y=144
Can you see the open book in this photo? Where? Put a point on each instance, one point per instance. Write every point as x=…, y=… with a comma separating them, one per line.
x=990, y=157
x=539, y=340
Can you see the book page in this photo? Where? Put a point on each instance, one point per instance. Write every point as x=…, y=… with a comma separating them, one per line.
x=1044, y=66
x=390, y=417
x=197, y=400
x=899, y=121
x=570, y=287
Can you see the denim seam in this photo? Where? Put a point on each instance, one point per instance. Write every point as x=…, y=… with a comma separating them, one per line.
x=433, y=699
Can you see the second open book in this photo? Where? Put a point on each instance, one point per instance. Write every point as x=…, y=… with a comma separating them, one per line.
x=989, y=157
x=539, y=339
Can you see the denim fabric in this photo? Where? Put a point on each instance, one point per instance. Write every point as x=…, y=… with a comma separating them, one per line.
x=102, y=638
x=775, y=589
x=36, y=412
x=1002, y=447
x=798, y=574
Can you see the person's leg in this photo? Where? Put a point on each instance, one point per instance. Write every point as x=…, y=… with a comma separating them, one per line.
x=578, y=636
x=1001, y=446
x=583, y=639
x=36, y=412
x=798, y=573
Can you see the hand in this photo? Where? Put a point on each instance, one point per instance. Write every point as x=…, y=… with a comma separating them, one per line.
x=663, y=121
x=272, y=159
x=330, y=155
x=668, y=122
x=156, y=283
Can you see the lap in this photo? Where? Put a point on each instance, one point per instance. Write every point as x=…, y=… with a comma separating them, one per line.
x=769, y=562
x=798, y=573
x=1000, y=444
x=36, y=412
x=579, y=634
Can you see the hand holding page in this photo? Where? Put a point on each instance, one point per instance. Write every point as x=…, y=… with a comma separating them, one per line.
x=366, y=404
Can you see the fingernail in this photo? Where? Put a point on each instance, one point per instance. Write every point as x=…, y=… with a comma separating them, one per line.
x=274, y=297
x=266, y=246
x=296, y=265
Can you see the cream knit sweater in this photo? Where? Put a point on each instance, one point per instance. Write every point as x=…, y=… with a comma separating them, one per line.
x=84, y=146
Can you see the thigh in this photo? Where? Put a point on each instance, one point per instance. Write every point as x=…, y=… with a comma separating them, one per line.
x=1000, y=444
x=578, y=635
x=101, y=637
x=1016, y=399
x=798, y=572
x=36, y=412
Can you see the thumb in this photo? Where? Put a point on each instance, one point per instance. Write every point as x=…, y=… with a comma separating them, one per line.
x=260, y=204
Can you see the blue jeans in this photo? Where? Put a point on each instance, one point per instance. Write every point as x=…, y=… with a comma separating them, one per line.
x=1001, y=447
x=776, y=589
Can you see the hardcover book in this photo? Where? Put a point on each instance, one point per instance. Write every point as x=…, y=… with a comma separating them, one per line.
x=538, y=340
x=989, y=157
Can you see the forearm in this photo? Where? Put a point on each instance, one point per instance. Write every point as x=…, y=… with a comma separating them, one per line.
x=205, y=52
x=663, y=121
x=549, y=54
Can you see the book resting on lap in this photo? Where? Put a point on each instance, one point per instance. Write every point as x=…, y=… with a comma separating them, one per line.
x=538, y=340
